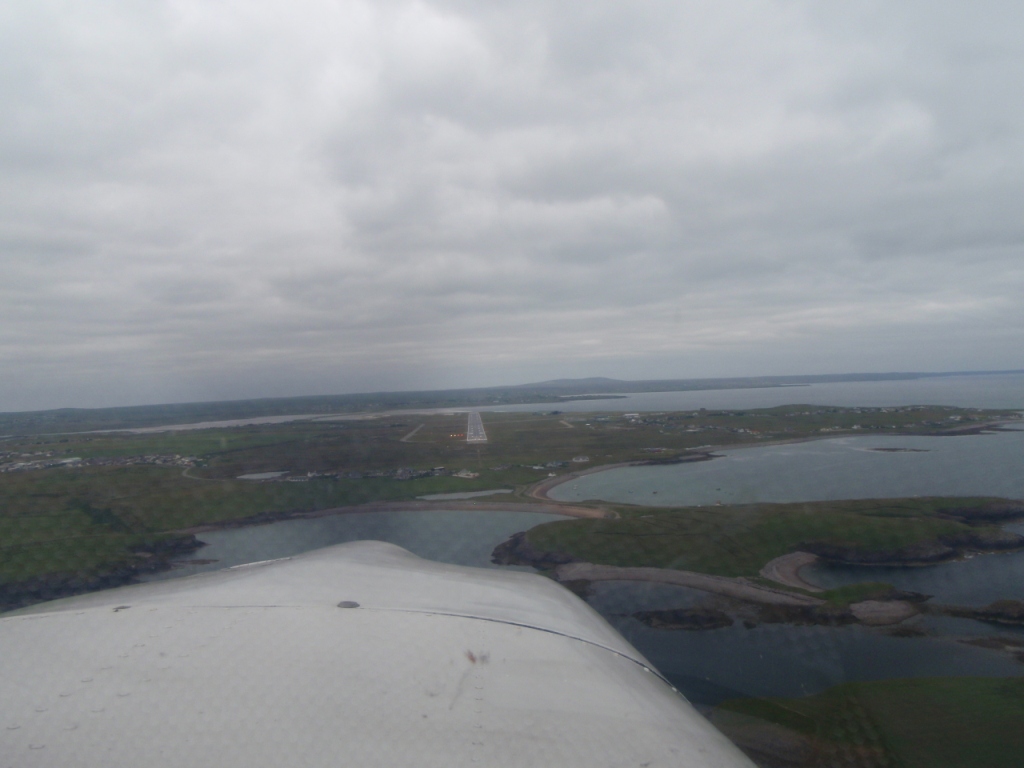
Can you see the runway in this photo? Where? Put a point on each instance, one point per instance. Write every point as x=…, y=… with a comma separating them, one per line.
x=475, y=429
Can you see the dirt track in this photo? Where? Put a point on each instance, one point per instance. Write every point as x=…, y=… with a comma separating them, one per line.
x=786, y=570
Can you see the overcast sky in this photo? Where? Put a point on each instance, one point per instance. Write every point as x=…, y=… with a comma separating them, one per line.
x=237, y=198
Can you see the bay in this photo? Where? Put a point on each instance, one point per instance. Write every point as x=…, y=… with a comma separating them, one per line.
x=965, y=391
x=446, y=536
x=821, y=470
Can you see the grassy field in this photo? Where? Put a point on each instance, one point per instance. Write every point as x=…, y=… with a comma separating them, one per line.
x=85, y=519
x=955, y=722
x=739, y=540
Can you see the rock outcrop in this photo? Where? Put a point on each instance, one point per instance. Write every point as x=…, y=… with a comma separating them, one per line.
x=922, y=553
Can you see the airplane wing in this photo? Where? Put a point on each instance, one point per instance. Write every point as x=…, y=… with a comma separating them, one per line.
x=359, y=654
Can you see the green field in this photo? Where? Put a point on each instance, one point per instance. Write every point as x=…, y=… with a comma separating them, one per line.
x=954, y=722
x=44, y=530
x=739, y=540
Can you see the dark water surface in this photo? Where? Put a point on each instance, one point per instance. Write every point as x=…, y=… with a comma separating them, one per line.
x=462, y=538
x=787, y=660
x=459, y=537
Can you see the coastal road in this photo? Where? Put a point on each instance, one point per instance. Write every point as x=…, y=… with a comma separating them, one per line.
x=475, y=429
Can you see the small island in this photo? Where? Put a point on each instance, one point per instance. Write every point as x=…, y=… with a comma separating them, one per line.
x=751, y=554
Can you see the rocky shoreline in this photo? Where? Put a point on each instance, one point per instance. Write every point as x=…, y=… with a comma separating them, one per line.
x=1004, y=612
x=766, y=604
x=158, y=555
x=685, y=618
x=868, y=612
x=518, y=550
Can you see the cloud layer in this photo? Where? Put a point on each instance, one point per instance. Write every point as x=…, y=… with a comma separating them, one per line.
x=204, y=200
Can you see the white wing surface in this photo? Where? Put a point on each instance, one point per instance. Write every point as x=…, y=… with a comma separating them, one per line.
x=359, y=654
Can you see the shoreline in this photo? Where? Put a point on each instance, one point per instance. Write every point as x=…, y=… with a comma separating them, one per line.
x=539, y=490
x=16, y=595
x=554, y=508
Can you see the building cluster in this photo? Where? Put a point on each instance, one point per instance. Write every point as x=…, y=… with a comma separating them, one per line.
x=402, y=473
x=890, y=409
x=408, y=473
x=548, y=465
x=720, y=428
x=10, y=462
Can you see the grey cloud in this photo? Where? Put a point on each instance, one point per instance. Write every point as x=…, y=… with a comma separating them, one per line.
x=250, y=198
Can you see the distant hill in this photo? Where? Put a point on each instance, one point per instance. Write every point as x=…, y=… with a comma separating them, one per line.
x=553, y=391
x=595, y=384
